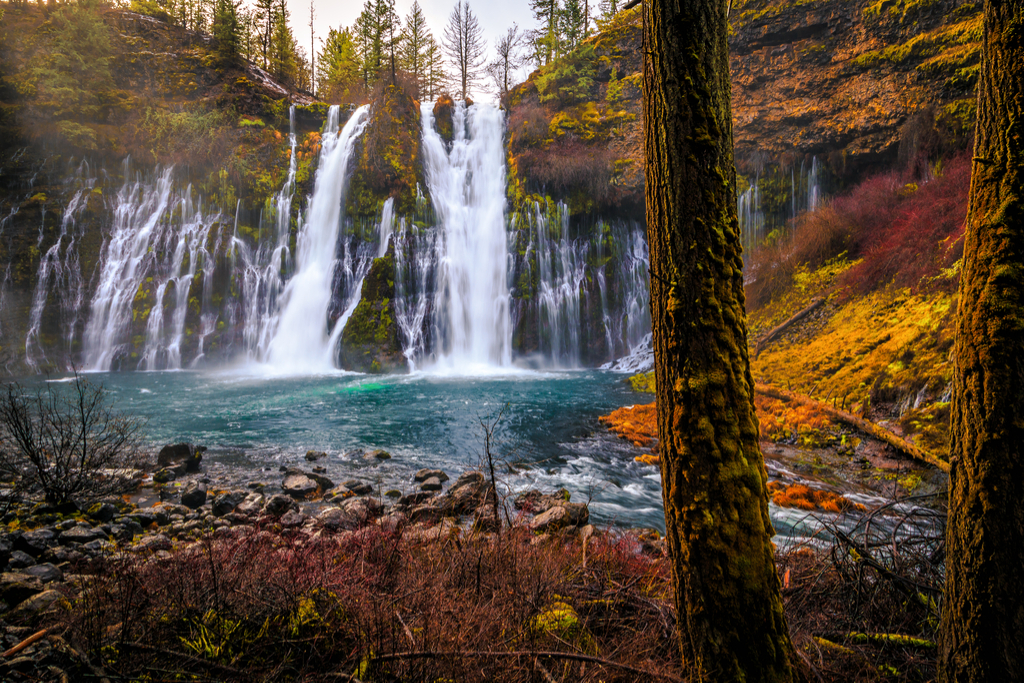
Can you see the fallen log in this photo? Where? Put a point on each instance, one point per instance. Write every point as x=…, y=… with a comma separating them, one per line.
x=789, y=322
x=879, y=432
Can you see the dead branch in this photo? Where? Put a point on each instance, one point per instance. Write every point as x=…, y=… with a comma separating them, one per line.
x=880, y=433
x=35, y=637
x=789, y=322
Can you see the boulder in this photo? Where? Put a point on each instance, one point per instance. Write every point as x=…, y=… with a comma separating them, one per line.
x=164, y=476
x=466, y=494
x=535, y=502
x=181, y=457
x=38, y=603
x=300, y=486
x=45, y=572
x=20, y=560
x=424, y=534
x=102, y=512
x=155, y=542
x=361, y=509
x=279, y=504
x=81, y=535
x=378, y=454
x=15, y=587
x=35, y=542
x=357, y=487
x=252, y=504
x=335, y=519
x=428, y=512
x=313, y=456
x=431, y=484
x=414, y=499
x=424, y=474
x=292, y=518
x=560, y=517
x=226, y=502
x=194, y=495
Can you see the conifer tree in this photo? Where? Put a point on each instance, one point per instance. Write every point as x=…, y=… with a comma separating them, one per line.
x=226, y=32
x=435, y=75
x=727, y=593
x=413, y=46
x=983, y=604
x=463, y=43
x=545, y=38
x=608, y=10
x=263, y=17
x=573, y=24
x=339, y=75
x=283, y=62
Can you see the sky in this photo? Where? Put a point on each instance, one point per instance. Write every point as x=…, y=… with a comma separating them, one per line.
x=495, y=17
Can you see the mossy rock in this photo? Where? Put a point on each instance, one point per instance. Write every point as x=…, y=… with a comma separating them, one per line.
x=444, y=110
x=370, y=341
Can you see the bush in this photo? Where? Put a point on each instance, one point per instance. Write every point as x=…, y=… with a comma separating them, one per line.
x=67, y=443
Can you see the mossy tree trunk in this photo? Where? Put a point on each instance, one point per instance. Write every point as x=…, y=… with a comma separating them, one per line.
x=983, y=611
x=731, y=622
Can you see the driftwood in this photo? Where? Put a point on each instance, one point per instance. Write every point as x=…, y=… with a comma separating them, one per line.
x=795, y=318
x=35, y=637
x=880, y=433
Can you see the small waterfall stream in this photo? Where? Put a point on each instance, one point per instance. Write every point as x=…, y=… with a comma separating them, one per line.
x=466, y=179
x=301, y=339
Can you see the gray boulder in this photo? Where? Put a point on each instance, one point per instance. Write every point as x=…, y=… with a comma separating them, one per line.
x=252, y=504
x=81, y=535
x=313, y=456
x=431, y=484
x=15, y=587
x=35, y=542
x=226, y=502
x=300, y=486
x=424, y=474
x=279, y=504
x=194, y=495
x=560, y=517
x=181, y=457
x=45, y=572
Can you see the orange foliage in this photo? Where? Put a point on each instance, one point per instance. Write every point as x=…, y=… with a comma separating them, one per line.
x=806, y=498
x=639, y=424
x=780, y=419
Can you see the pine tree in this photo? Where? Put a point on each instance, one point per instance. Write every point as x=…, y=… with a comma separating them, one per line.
x=545, y=38
x=413, y=46
x=727, y=593
x=283, y=62
x=226, y=32
x=339, y=75
x=263, y=18
x=983, y=604
x=435, y=75
x=572, y=25
x=464, y=45
x=376, y=35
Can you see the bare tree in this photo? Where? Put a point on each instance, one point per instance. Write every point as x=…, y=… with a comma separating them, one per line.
x=510, y=58
x=67, y=443
x=464, y=44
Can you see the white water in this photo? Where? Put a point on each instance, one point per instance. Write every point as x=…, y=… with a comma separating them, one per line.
x=471, y=323
x=300, y=343
x=60, y=273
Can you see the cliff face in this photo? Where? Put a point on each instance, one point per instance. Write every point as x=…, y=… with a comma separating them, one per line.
x=843, y=80
x=862, y=85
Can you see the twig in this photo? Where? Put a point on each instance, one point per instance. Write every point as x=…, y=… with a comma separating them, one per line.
x=795, y=318
x=429, y=654
x=35, y=637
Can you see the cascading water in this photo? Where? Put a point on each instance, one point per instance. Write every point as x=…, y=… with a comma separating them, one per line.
x=301, y=340
x=751, y=217
x=60, y=274
x=471, y=322
x=561, y=272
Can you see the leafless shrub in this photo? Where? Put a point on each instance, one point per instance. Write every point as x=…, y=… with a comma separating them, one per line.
x=66, y=442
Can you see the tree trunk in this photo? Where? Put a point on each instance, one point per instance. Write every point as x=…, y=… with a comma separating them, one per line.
x=983, y=610
x=727, y=590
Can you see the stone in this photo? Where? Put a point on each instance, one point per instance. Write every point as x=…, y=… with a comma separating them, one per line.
x=154, y=542
x=292, y=518
x=560, y=517
x=424, y=474
x=226, y=502
x=378, y=454
x=357, y=487
x=20, y=560
x=102, y=512
x=313, y=456
x=279, y=504
x=536, y=502
x=393, y=493
x=187, y=454
x=428, y=512
x=35, y=542
x=335, y=519
x=466, y=494
x=425, y=534
x=39, y=602
x=414, y=499
x=252, y=504
x=323, y=482
x=165, y=475
x=300, y=486
x=361, y=509
x=431, y=484
x=194, y=495
x=81, y=535
x=45, y=572
x=16, y=587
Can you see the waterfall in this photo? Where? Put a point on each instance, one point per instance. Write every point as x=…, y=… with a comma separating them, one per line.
x=471, y=321
x=300, y=342
x=260, y=278
x=59, y=272
x=561, y=272
x=414, y=273
x=751, y=218
x=154, y=230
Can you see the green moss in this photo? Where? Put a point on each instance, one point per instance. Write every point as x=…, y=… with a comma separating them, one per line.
x=370, y=340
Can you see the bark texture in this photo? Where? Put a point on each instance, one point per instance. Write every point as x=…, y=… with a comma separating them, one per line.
x=731, y=622
x=983, y=611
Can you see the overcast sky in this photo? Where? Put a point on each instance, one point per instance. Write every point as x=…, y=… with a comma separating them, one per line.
x=495, y=17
